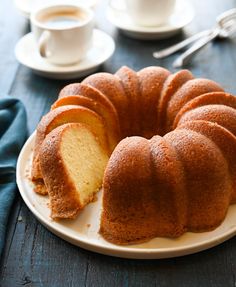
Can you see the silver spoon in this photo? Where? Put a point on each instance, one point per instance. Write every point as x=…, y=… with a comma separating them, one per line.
x=226, y=26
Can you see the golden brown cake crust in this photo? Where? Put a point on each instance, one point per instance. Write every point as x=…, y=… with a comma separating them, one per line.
x=73, y=100
x=159, y=179
x=209, y=173
x=191, y=89
x=98, y=97
x=183, y=181
x=223, y=115
x=224, y=139
x=65, y=202
x=65, y=197
x=110, y=118
x=130, y=83
x=219, y=98
x=151, y=80
x=171, y=85
x=111, y=87
x=60, y=116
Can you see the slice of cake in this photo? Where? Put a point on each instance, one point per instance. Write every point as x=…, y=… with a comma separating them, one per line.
x=72, y=163
x=63, y=115
x=104, y=111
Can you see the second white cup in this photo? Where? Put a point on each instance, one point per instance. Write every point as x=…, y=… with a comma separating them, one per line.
x=63, y=33
x=150, y=12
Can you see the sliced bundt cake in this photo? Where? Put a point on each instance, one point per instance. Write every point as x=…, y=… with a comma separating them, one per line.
x=153, y=185
x=58, y=117
x=102, y=105
x=73, y=152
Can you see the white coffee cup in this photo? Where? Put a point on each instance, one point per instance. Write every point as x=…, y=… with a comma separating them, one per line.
x=148, y=12
x=63, y=33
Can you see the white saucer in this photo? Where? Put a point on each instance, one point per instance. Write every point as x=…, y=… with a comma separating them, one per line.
x=26, y=6
x=182, y=16
x=83, y=231
x=102, y=49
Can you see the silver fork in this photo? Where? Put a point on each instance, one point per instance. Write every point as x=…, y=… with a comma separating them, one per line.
x=172, y=49
x=225, y=27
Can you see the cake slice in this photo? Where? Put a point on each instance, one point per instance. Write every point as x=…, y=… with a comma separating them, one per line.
x=79, y=94
x=58, y=117
x=72, y=162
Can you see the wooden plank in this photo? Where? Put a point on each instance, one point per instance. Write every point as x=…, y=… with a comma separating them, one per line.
x=12, y=27
x=35, y=257
x=36, y=254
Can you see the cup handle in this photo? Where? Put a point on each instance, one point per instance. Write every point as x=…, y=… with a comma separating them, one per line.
x=42, y=44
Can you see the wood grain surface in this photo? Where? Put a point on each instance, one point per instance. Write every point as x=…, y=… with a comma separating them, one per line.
x=35, y=257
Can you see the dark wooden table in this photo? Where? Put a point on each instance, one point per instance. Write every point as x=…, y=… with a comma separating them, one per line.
x=35, y=257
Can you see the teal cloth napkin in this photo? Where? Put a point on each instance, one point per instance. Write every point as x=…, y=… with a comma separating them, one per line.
x=13, y=133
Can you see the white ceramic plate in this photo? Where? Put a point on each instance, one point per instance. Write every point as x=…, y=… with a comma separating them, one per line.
x=182, y=16
x=27, y=6
x=83, y=231
x=102, y=49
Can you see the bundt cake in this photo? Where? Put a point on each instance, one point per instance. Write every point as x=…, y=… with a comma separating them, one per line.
x=91, y=98
x=58, y=117
x=79, y=179
x=171, y=139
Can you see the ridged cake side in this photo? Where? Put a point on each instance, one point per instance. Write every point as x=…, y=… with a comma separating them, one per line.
x=155, y=186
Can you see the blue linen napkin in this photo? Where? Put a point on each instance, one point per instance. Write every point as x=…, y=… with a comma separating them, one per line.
x=13, y=132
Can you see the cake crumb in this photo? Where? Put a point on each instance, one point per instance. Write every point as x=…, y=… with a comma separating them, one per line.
x=20, y=219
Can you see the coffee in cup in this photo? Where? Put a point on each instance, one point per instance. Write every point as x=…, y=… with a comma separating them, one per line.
x=63, y=33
